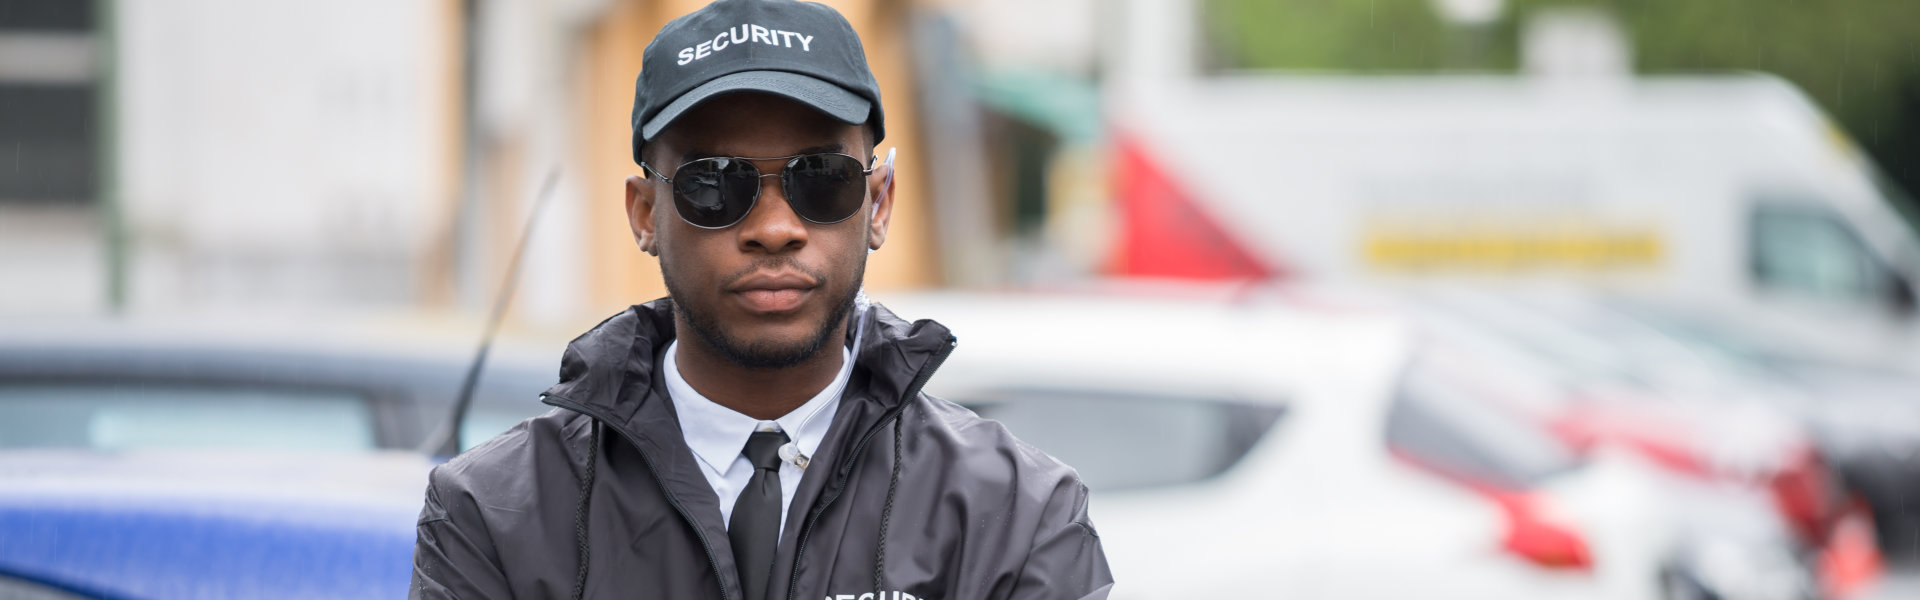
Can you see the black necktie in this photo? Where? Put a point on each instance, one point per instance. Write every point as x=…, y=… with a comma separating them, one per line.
x=755, y=525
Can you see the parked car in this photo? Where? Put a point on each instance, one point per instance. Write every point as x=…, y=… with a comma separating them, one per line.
x=1866, y=417
x=166, y=524
x=1626, y=382
x=114, y=386
x=1291, y=449
x=150, y=463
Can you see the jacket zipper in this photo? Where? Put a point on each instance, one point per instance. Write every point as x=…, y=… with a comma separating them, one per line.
x=846, y=469
x=672, y=499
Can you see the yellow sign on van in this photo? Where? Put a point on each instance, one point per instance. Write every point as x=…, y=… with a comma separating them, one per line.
x=1513, y=246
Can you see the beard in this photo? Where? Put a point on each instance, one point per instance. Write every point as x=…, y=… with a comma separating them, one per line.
x=765, y=354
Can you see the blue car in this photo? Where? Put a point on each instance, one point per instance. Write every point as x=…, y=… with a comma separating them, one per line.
x=139, y=466
x=151, y=525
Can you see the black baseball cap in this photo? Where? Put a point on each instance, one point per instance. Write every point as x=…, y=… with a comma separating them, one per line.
x=804, y=51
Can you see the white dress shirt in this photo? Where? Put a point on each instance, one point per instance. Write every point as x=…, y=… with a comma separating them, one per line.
x=718, y=435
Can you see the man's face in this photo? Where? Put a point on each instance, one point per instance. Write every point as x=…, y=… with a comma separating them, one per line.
x=773, y=289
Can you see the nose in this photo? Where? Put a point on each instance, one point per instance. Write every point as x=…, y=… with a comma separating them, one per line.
x=772, y=226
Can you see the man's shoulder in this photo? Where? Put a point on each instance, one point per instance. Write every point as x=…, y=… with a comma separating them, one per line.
x=987, y=454
x=511, y=468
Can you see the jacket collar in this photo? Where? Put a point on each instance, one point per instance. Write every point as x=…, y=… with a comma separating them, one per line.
x=612, y=370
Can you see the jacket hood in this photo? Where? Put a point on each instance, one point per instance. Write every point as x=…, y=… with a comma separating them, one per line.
x=611, y=369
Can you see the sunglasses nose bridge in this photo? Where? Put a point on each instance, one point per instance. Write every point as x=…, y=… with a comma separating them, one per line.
x=763, y=175
x=777, y=189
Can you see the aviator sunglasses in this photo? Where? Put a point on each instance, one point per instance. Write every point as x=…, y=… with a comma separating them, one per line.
x=716, y=193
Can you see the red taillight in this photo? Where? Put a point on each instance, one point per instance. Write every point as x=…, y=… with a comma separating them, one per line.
x=1851, y=560
x=1534, y=531
x=1801, y=490
x=1536, y=534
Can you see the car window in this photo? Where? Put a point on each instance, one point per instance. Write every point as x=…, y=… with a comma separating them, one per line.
x=1442, y=422
x=1810, y=251
x=118, y=416
x=1124, y=441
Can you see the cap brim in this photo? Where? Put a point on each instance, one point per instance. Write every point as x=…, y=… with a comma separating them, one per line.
x=825, y=97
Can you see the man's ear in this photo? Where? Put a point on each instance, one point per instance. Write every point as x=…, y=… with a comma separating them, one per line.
x=640, y=208
x=881, y=180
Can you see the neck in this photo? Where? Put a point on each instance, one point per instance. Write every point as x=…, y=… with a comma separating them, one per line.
x=764, y=394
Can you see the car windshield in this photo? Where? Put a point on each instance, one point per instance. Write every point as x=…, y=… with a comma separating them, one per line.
x=127, y=416
x=1127, y=441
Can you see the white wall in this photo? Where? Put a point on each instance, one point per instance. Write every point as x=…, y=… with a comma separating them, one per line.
x=287, y=154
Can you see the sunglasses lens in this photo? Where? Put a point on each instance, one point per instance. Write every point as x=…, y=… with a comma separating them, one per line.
x=824, y=188
x=715, y=192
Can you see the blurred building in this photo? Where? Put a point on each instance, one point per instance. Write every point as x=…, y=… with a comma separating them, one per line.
x=219, y=155
x=52, y=225
x=215, y=155
x=298, y=155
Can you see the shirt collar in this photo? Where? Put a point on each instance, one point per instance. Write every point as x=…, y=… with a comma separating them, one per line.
x=716, y=434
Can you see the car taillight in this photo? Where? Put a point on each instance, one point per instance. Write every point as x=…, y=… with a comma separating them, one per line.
x=1536, y=533
x=1851, y=560
x=1800, y=488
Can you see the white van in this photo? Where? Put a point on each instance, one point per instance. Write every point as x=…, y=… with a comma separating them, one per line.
x=1732, y=190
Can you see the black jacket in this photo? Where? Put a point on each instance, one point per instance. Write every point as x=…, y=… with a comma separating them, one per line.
x=907, y=495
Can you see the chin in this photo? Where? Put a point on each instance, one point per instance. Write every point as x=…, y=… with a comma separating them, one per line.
x=776, y=353
x=774, y=345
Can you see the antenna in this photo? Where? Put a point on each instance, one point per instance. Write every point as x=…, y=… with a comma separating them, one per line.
x=445, y=441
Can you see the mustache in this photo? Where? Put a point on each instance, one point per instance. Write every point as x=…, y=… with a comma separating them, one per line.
x=775, y=263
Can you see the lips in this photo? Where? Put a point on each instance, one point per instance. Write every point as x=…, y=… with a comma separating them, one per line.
x=773, y=292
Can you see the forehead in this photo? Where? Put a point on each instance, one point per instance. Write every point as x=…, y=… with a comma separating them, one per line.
x=755, y=125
